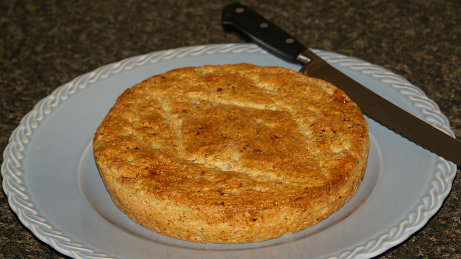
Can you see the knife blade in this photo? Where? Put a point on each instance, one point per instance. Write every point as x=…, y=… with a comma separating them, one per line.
x=263, y=32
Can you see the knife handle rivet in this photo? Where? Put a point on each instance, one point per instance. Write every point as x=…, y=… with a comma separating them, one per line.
x=239, y=10
x=264, y=25
x=289, y=40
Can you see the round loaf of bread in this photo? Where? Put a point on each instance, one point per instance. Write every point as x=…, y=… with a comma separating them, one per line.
x=231, y=153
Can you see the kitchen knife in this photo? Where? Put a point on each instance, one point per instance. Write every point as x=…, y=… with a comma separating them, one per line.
x=275, y=40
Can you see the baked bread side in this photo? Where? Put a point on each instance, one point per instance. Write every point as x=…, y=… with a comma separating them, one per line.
x=231, y=153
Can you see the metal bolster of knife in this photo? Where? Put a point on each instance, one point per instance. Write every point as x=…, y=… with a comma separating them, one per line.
x=303, y=59
x=310, y=61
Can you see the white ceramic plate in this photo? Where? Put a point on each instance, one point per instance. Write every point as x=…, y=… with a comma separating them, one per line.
x=53, y=185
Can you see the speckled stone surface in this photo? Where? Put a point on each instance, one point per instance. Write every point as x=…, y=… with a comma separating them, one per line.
x=45, y=44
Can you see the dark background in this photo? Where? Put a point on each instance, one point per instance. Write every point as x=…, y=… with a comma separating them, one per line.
x=44, y=44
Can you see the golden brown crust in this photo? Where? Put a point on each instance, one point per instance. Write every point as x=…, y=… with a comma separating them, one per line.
x=231, y=154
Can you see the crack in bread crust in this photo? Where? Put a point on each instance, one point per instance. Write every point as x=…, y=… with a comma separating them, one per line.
x=231, y=153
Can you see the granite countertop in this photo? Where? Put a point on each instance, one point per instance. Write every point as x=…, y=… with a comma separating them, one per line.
x=45, y=44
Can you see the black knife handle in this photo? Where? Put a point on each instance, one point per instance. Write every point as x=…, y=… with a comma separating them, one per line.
x=262, y=31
